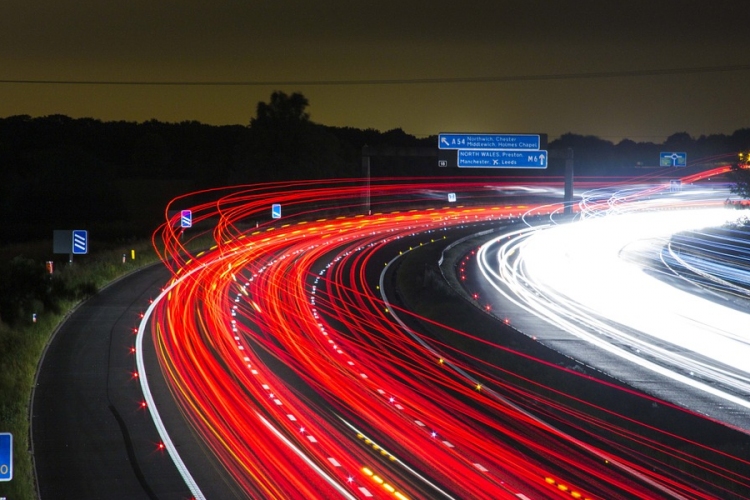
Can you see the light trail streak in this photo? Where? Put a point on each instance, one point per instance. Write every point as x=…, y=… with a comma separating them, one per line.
x=276, y=345
x=151, y=403
x=538, y=421
x=566, y=287
x=344, y=493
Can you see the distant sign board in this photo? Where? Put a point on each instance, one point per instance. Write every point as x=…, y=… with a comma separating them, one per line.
x=502, y=158
x=6, y=456
x=672, y=159
x=451, y=197
x=68, y=241
x=62, y=241
x=489, y=141
x=469, y=150
x=276, y=211
x=186, y=218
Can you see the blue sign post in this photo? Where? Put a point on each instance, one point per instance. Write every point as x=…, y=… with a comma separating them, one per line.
x=489, y=141
x=80, y=242
x=672, y=159
x=502, y=158
x=186, y=218
x=6, y=456
x=276, y=211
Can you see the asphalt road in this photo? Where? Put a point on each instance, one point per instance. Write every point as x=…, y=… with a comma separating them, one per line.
x=91, y=438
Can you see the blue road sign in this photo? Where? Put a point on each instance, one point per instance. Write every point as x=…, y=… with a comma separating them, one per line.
x=502, y=158
x=672, y=159
x=186, y=218
x=489, y=141
x=276, y=211
x=80, y=242
x=6, y=456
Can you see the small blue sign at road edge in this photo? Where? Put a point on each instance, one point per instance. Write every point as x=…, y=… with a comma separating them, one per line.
x=6, y=456
x=276, y=211
x=186, y=218
x=80, y=242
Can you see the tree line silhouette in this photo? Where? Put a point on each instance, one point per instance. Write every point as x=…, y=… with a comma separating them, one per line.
x=57, y=171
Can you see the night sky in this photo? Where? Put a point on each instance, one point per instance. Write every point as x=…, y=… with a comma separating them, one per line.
x=528, y=63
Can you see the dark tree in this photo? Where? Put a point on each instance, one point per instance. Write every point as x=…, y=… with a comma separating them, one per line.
x=681, y=141
x=283, y=111
x=25, y=291
x=282, y=143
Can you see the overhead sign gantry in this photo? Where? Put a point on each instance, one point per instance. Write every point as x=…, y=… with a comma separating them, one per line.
x=468, y=150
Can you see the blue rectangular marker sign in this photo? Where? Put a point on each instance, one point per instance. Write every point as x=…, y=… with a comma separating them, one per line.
x=276, y=211
x=489, y=141
x=500, y=158
x=672, y=159
x=186, y=218
x=80, y=242
x=6, y=456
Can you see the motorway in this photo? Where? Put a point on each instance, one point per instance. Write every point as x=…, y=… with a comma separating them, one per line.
x=278, y=359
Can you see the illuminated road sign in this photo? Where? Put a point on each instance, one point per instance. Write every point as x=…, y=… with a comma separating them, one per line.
x=502, y=158
x=672, y=159
x=489, y=141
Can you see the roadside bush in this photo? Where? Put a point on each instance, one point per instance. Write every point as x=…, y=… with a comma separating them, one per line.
x=85, y=289
x=25, y=286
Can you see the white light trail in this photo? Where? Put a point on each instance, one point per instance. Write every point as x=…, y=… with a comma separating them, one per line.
x=594, y=279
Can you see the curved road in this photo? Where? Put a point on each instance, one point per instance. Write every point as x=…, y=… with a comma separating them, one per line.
x=111, y=432
x=91, y=437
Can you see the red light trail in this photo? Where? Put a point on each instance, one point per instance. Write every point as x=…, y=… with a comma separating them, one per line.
x=280, y=351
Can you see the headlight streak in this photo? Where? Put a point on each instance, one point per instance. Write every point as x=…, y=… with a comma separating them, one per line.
x=264, y=295
x=534, y=294
x=529, y=273
x=717, y=266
